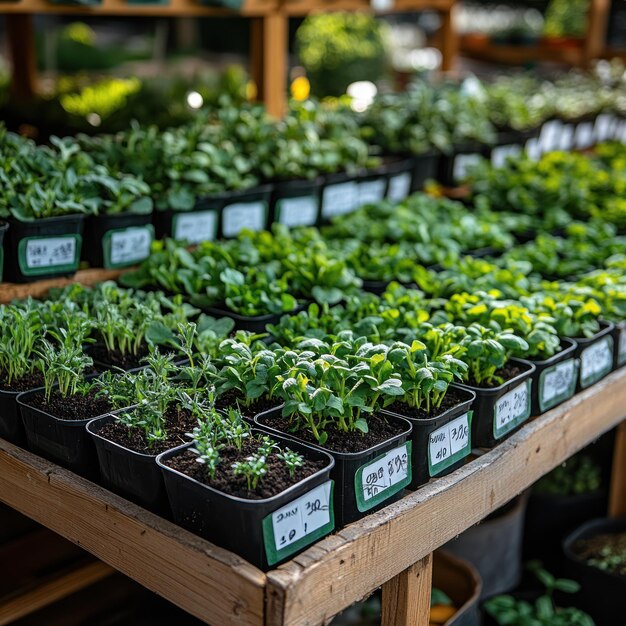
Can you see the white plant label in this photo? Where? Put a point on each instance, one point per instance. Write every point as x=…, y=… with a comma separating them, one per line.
x=240, y=215
x=596, y=360
x=399, y=187
x=372, y=191
x=130, y=245
x=462, y=163
x=340, y=198
x=603, y=126
x=584, y=136
x=500, y=154
x=550, y=135
x=447, y=441
x=50, y=252
x=297, y=211
x=195, y=227
x=533, y=149
x=566, y=137
x=558, y=380
x=302, y=517
x=385, y=472
x=512, y=409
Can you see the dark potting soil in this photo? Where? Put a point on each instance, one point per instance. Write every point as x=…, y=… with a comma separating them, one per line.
x=450, y=400
x=274, y=482
x=380, y=430
x=233, y=399
x=506, y=373
x=26, y=383
x=117, y=359
x=178, y=422
x=77, y=407
x=606, y=552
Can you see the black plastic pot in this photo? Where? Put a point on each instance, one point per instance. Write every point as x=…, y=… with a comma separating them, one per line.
x=596, y=355
x=115, y=241
x=296, y=202
x=253, y=324
x=4, y=226
x=340, y=196
x=500, y=411
x=452, y=167
x=244, y=209
x=11, y=426
x=131, y=474
x=65, y=442
x=554, y=379
x=257, y=530
x=425, y=169
x=619, y=345
x=379, y=286
x=200, y=224
x=44, y=248
x=440, y=444
x=358, y=488
x=602, y=593
x=400, y=178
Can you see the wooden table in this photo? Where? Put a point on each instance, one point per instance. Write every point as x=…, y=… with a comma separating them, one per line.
x=392, y=548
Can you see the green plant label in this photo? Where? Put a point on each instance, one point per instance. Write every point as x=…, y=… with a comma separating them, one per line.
x=299, y=523
x=372, y=191
x=297, y=211
x=40, y=255
x=596, y=361
x=340, y=198
x=512, y=409
x=195, y=227
x=557, y=383
x=126, y=246
x=383, y=477
x=621, y=352
x=583, y=137
x=399, y=187
x=449, y=443
x=240, y=215
x=462, y=162
x=500, y=154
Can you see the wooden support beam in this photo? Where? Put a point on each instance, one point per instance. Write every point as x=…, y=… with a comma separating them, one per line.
x=23, y=54
x=406, y=597
x=617, y=496
x=595, y=38
x=449, y=40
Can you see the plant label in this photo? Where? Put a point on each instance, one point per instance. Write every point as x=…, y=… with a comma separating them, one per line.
x=533, y=149
x=372, y=191
x=500, y=154
x=463, y=163
x=621, y=352
x=449, y=443
x=382, y=5
x=566, y=137
x=299, y=523
x=383, y=477
x=340, y=198
x=240, y=215
x=596, y=361
x=399, y=187
x=126, y=246
x=512, y=409
x=584, y=136
x=195, y=227
x=40, y=255
x=550, y=134
x=557, y=384
x=603, y=127
x=297, y=211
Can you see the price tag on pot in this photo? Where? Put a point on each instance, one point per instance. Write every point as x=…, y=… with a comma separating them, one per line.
x=240, y=215
x=383, y=477
x=596, y=361
x=449, y=443
x=127, y=246
x=462, y=163
x=299, y=523
x=195, y=227
x=297, y=211
x=372, y=191
x=40, y=255
x=500, y=154
x=399, y=187
x=511, y=410
x=557, y=383
x=339, y=199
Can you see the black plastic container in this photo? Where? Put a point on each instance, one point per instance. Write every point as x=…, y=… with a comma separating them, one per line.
x=554, y=379
x=131, y=474
x=244, y=209
x=254, y=324
x=11, y=426
x=619, y=345
x=500, y=411
x=4, y=226
x=440, y=444
x=63, y=441
x=354, y=495
x=255, y=529
x=340, y=196
x=116, y=241
x=379, y=286
x=43, y=248
x=400, y=178
x=296, y=202
x=602, y=593
x=596, y=355
x=425, y=168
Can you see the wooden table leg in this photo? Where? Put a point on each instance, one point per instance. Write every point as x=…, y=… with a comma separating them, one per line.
x=595, y=38
x=617, y=498
x=21, y=45
x=406, y=598
x=449, y=40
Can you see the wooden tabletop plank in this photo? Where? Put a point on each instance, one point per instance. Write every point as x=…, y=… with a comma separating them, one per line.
x=347, y=567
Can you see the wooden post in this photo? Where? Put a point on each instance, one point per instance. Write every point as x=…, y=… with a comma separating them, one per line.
x=406, y=597
x=595, y=39
x=21, y=44
x=268, y=62
x=449, y=39
x=617, y=497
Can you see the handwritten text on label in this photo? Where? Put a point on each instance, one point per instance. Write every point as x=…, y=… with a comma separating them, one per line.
x=50, y=252
x=511, y=406
x=448, y=440
x=130, y=245
x=558, y=380
x=195, y=227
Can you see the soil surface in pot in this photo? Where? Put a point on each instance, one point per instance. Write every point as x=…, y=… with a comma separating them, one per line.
x=117, y=359
x=274, y=482
x=232, y=398
x=451, y=399
x=606, y=552
x=30, y=381
x=506, y=373
x=178, y=421
x=380, y=430
x=76, y=407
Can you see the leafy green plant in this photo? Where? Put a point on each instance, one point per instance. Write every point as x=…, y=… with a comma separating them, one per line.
x=578, y=475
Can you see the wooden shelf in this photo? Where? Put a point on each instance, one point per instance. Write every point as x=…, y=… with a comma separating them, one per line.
x=304, y=7
x=522, y=55
x=221, y=588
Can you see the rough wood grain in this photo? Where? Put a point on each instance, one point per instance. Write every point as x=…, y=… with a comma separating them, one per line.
x=406, y=597
x=376, y=548
x=208, y=582
x=617, y=496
